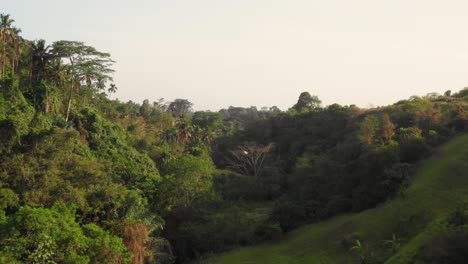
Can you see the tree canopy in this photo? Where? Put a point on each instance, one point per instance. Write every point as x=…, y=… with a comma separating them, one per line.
x=307, y=102
x=87, y=179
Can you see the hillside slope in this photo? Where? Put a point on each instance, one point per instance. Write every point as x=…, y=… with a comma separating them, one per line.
x=438, y=186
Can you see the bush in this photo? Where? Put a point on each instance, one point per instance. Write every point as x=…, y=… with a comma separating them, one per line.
x=449, y=247
x=290, y=214
x=414, y=150
x=268, y=231
x=40, y=235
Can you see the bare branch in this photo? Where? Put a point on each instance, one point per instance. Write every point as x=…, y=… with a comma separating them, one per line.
x=249, y=160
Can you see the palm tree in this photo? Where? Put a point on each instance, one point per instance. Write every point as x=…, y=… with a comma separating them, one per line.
x=56, y=72
x=184, y=132
x=112, y=89
x=44, y=70
x=15, y=40
x=5, y=30
x=170, y=134
x=41, y=58
x=9, y=42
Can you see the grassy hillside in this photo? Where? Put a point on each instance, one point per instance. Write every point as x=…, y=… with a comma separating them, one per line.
x=438, y=186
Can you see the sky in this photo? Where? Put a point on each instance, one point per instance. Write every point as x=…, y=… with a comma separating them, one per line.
x=221, y=53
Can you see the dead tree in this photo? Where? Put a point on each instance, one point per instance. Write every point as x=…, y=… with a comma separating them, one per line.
x=249, y=160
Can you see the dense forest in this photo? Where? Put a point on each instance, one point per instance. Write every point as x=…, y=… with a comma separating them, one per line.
x=85, y=178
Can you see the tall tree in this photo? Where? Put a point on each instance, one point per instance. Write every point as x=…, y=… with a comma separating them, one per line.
x=85, y=66
x=112, y=89
x=368, y=129
x=41, y=58
x=307, y=102
x=180, y=107
x=15, y=41
x=388, y=128
x=9, y=42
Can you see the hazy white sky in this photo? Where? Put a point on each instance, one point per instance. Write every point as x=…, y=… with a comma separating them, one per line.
x=218, y=53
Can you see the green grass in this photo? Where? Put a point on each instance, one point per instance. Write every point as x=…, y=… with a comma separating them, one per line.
x=438, y=185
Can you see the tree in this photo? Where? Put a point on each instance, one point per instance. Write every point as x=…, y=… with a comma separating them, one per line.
x=56, y=72
x=112, y=89
x=9, y=42
x=207, y=120
x=8, y=199
x=307, y=102
x=15, y=40
x=145, y=109
x=5, y=28
x=368, y=129
x=462, y=93
x=41, y=57
x=184, y=131
x=274, y=109
x=388, y=128
x=249, y=160
x=85, y=66
x=56, y=75
x=185, y=179
x=209, y=125
x=180, y=107
x=40, y=235
x=412, y=144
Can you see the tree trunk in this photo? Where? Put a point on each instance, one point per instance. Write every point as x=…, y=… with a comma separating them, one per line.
x=3, y=60
x=69, y=107
x=69, y=102
x=47, y=106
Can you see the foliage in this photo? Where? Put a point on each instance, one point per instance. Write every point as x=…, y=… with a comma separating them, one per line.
x=186, y=179
x=394, y=243
x=419, y=221
x=180, y=107
x=445, y=247
x=42, y=235
x=306, y=102
x=362, y=251
x=215, y=227
x=86, y=179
